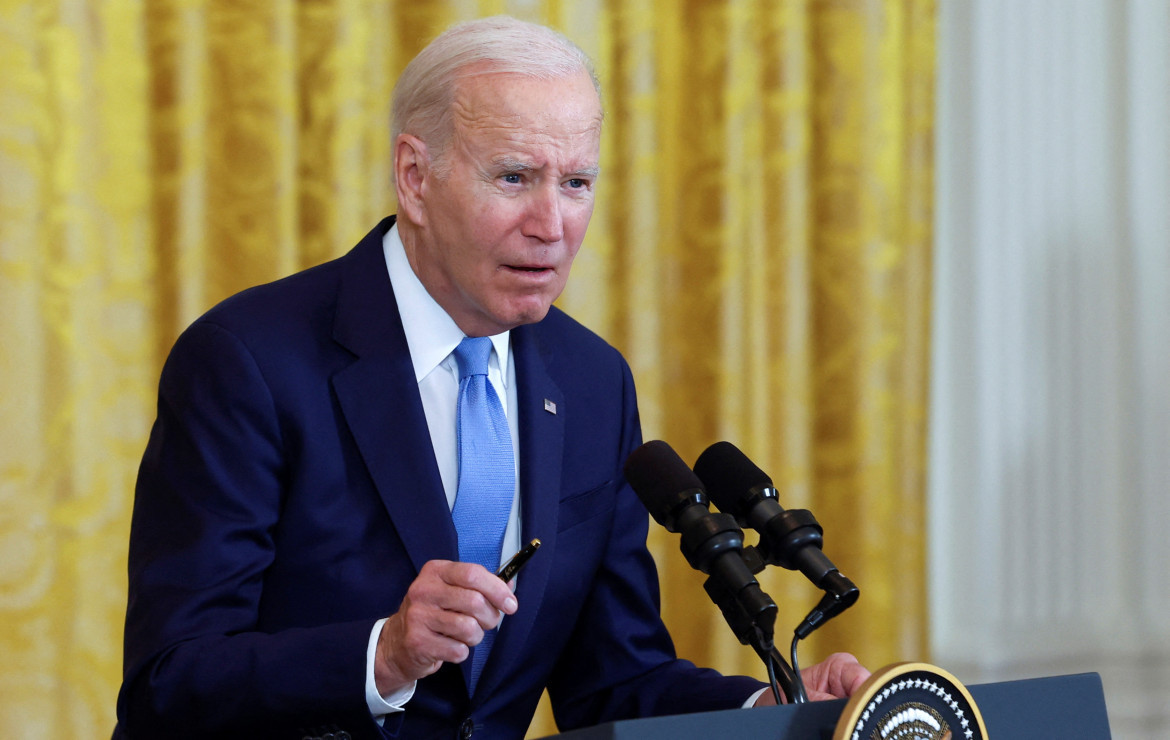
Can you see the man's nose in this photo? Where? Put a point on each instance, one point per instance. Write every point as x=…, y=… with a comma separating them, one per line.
x=544, y=220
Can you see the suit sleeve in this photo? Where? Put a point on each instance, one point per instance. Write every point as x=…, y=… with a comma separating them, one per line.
x=620, y=661
x=208, y=497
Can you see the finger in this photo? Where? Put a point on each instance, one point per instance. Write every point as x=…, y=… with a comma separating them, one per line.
x=838, y=676
x=479, y=579
x=857, y=676
x=454, y=594
x=426, y=634
x=405, y=655
x=419, y=638
x=443, y=605
x=464, y=628
x=846, y=674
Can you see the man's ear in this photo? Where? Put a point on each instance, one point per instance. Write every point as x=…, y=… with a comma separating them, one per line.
x=411, y=175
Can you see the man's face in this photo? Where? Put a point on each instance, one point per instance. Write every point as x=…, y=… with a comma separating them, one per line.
x=500, y=226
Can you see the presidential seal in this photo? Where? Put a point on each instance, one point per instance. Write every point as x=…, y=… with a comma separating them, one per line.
x=911, y=701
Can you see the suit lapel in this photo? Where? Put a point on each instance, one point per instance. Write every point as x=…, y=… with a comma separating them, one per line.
x=379, y=399
x=542, y=434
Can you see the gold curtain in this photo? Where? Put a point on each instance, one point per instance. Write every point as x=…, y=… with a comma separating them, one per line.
x=760, y=253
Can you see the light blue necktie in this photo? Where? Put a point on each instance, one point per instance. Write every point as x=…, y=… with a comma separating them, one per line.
x=487, y=477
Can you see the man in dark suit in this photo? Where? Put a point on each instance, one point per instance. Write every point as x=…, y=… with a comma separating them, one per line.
x=295, y=563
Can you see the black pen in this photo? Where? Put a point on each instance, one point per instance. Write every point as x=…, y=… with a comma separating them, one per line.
x=509, y=570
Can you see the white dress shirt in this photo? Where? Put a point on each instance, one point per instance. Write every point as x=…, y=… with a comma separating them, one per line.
x=431, y=336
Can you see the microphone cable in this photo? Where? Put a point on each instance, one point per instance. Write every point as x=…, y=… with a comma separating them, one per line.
x=797, y=685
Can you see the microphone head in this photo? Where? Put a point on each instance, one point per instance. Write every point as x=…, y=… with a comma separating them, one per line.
x=662, y=481
x=730, y=477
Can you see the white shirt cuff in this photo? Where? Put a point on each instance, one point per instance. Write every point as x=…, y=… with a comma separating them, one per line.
x=380, y=705
x=751, y=702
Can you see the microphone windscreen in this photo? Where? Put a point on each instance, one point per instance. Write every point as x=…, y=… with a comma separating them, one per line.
x=729, y=476
x=660, y=478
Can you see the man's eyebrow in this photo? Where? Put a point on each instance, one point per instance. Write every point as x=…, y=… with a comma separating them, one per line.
x=513, y=164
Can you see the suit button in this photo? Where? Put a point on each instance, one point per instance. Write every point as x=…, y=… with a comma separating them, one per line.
x=467, y=729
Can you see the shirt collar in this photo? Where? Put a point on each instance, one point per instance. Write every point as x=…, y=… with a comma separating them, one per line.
x=431, y=334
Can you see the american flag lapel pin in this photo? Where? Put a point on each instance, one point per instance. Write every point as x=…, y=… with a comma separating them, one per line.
x=549, y=406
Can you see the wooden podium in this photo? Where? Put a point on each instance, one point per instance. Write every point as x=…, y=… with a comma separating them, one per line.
x=1065, y=707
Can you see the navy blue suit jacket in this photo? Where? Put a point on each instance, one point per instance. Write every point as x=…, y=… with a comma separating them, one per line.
x=289, y=495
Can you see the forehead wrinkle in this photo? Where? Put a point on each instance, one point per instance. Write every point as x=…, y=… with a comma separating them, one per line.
x=471, y=109
x=468, y=114
x=519, y=149
x=518, y=129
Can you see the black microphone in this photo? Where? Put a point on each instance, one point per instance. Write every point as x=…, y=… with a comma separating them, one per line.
x=712, y=543
x=789, y=538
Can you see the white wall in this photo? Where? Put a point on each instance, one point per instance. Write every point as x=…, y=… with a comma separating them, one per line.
x=1050, y=428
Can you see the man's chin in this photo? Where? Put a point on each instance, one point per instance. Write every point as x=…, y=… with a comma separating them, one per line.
x=497, y=322
x=530, y=316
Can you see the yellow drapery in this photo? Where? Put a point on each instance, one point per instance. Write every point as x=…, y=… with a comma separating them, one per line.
x=760, y=252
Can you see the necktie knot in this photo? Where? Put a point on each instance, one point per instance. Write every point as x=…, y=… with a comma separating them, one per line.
x=472, y=356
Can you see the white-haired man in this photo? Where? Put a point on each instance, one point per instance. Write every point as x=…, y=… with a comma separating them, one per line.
x=297, y=558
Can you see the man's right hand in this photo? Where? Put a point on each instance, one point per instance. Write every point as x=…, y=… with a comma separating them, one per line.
x=445, y=612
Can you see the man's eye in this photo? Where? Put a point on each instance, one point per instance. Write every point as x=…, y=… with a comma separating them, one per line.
x=512, y=178
x=577, y=183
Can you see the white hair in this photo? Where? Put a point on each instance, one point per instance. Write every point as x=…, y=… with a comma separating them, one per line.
x=425, y=92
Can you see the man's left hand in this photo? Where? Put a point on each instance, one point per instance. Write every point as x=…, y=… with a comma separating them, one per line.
x=836, y=677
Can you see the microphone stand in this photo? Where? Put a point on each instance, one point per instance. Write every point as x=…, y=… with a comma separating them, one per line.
x=793, y=687
x=757, y=629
